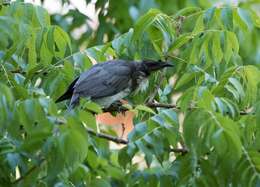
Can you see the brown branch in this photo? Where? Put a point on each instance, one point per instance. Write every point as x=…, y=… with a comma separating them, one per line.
x=123, y=141
x=100, y=135
x=173, y=106
x=162, y=105
x=123, y=129
x=106, y=136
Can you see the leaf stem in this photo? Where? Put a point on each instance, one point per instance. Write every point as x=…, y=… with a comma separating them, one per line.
x=6, y=75
x=28, y=172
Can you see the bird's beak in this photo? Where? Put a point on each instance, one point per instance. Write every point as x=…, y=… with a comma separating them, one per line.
x=168, y=64
x=157, y=65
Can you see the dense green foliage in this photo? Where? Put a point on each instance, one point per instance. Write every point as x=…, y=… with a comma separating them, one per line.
x=216, y=52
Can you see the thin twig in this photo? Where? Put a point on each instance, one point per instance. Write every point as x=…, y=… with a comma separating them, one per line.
x=173, y=106
x=97, y=134
x=162, y=105
x=108, y=137
x=28, y=172
x=123, y=129
x=100, y=135
x=18, y=71
x=45, y=69
x=116, y=139
x=6, y=75
x=123, y=141
x=179, y=150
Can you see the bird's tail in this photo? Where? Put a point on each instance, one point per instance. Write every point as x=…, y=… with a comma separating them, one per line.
x=69, y=92
x=74, y=101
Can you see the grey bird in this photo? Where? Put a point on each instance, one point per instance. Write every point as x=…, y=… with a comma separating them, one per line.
x=108, y=82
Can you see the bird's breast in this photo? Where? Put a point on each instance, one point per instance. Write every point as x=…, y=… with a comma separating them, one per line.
x=107, y=101
x=143, y=83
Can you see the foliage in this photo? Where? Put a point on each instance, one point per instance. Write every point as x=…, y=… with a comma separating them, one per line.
x=114, y=19
x=215, y=50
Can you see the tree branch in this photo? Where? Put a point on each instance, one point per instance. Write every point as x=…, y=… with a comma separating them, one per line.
x=123, y=141
x=173, y=106
x=162, y=105
x=107, y=137
x=152, y=105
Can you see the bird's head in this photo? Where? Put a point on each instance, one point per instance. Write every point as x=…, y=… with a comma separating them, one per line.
x=150, y=66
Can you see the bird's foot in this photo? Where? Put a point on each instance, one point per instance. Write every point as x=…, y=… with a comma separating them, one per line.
x=116, y=107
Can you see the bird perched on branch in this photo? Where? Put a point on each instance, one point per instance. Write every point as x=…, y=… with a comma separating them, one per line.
x=108, y=82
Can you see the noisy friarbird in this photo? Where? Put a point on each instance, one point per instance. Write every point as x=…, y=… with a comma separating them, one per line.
x=108, y=82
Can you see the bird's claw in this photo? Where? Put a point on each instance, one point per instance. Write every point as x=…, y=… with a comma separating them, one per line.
x=116, y=107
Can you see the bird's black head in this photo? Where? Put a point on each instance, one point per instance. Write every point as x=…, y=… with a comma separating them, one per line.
x=150, y=66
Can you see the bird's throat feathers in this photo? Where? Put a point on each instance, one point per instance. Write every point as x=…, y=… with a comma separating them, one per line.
x=142, y=85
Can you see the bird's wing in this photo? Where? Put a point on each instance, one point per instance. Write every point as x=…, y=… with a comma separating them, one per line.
x=103, y=80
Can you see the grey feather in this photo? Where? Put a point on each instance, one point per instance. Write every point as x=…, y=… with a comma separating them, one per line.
x=110, y=81
x=103, y=80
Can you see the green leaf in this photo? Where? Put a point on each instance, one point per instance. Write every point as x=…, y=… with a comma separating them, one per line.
x=144, y=22
x=7, y=98
x=50, y=39
x=250, y=75
x=203, y=129
x=199, y=25
x=123, y=157
x=247, y=169
x=144, y=108
x=100, y=183
x=187, y=11
x=208, y=16
x=91, y=106
x=227, y=48
x=255, y=18
x=206, y=100
x=42, y=16
x=73, y=143
x=89, y=119
x=62, y=42
x=240, y=22
x=220, y=105
x=6, y=146
x=157, y=39
x=216, y=48
x=237, y=85
x=32, y=51
x=233, y=40
x=186, y=78
x=43, y=144
x=180, y=41
x=227, y=17
x=194, y=58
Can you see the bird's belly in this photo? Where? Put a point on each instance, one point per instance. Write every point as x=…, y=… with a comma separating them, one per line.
x=107, y=101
